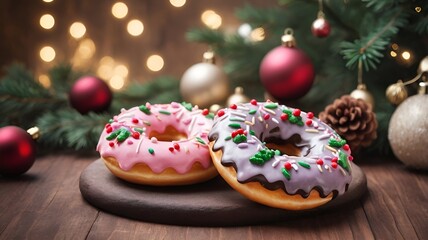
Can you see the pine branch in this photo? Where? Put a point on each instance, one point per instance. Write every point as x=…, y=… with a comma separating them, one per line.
x=69, y=129
x=62, y=79
x=211, y=37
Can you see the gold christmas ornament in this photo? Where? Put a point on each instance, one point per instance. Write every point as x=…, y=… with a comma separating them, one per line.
x=204, y=84
x=423, y=65
x=237, y=97
x=408, y=131
x=396, y=93
x=362, y=93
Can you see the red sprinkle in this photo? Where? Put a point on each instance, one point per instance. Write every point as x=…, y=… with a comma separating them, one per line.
x=284, y=117
x=320, y=162
x=111, y=144
x=171, y=149
x=205, y=112
x=134, y=120
x=350, y=158
x=254, y=102
x=176, y=146
x=287, y=165
x=233, y=106
x=346, y=147
x=220, y=113
x=108, y=125
x=309, y=122
x=109, y=129
x=296, y=112
x=334, y=159
x=237, y=132
x=310, y=115
x=266, y=116
x=136, y=135
x=334, y=165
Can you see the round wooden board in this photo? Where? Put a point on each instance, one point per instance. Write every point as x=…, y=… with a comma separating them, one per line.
x=212, y=203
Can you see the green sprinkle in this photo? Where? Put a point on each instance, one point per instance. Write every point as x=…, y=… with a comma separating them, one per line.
x=277, y=152
x=305, y=165
x=271, y=105
x=151, y=151
x=252, y=111
x=235, y=125
x=239, y=138
x=262, y=156
x=257, y=161
x=123, y=135
x=145, y=109
x=187, y=106
x=210, y=116
x=200, y=140
x=164, y=112
x=285, y=173
x=110, y=121
x=228, y=138
x=252, y=133
x=287, y=111
x=113, y=135
x=338, y=143
x=140, y=130
x=343, y=160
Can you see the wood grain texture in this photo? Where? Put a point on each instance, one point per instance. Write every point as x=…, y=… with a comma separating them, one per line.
x=46, y=203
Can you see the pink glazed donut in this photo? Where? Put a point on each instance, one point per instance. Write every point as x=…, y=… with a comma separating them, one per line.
x=160, y=145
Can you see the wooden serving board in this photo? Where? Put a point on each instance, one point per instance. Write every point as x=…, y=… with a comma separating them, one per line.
x=212, y=203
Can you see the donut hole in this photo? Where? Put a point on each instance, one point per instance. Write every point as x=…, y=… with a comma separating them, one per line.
x=170, y=134
x=287, y=146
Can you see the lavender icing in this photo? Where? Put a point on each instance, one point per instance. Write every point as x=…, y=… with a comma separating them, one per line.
x=321, y=164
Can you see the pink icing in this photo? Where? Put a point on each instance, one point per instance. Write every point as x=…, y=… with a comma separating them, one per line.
x=158, y=155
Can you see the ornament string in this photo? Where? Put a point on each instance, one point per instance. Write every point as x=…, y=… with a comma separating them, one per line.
x=320, y=9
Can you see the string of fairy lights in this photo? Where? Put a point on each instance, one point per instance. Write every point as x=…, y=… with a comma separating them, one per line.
x=113, y=72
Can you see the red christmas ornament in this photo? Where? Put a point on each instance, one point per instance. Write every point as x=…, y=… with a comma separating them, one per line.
x=17, y=151
x=320, y=27
x=286, y=72
x=90, y=94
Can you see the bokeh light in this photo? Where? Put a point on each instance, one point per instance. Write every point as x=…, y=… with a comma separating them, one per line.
x=135, y=27
x=47, y=53
x=177, y=3
x=155, y=63
x=257, y=34
x=119, y=10
x=45, y=80
x=48, y=1
x=86, y=49
x=121, y=70
x=393, y=54
x=77, y=30
x=406, y=55
x=47, y=21
x=211, y=19
x=117, y=82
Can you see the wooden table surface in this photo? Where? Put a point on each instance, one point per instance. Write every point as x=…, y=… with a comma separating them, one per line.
x=45, y=203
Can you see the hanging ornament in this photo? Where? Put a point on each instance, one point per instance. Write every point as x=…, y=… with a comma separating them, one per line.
x=408, y=131
x=90, y=93
x=204, y=84
x=353, y=119
x=361, y=92
x=320, y=27
x=237, y=97
x=286, y=72
x=17, y=150
x=396, y=93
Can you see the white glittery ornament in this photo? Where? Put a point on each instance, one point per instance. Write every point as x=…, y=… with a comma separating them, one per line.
x=408, y=131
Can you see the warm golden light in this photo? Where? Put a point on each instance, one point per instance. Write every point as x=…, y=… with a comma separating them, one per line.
x=45, y=80
x=211, y=19
x=86, y=49
x=393, y=54
x=77, y=30
x=47, y=21
x=135, y=27
x=418, y=9
x=117, y=82
x=47, y=54
x=48, y=1
x=257, y=34
x=105, y=71
x=177, y=3
x=119, y=10
x=107, y=60
x=155, y=63
x=405, y=55
x=121, y=70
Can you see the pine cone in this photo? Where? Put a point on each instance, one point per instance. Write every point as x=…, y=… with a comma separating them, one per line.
x=353, y=119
